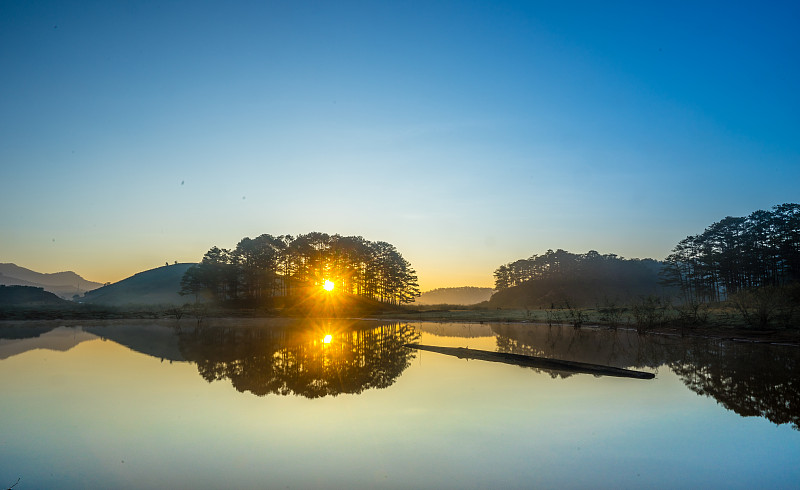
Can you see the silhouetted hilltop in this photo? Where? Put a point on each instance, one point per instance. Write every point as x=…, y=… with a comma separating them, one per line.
x=64, y=284
x=28, y=296
x=455, y=296
x=153, y=287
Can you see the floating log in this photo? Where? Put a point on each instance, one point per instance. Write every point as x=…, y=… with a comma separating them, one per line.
x=534, y=362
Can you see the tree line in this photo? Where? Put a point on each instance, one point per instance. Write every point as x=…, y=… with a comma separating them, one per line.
x=738, y=254
x=267, y=267
x=749, y=260
x=561, y=277
x=565, y=264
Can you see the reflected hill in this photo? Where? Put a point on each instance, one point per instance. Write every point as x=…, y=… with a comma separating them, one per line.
x=25, y=330
x=749, y=379
x=461, y=330
x=312, y=359
x=153, y=339
x=18, y=339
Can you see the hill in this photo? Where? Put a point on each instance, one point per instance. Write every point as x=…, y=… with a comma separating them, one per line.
x=157, y=286
x=28, y=296
x=455, y=296
x=64, y=284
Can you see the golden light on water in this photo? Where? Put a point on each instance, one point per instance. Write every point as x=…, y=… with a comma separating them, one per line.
x=327, y=339
x=328, y=285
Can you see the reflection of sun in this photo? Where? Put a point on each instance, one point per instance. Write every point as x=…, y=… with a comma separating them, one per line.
x=327, y=339
x=328, y=285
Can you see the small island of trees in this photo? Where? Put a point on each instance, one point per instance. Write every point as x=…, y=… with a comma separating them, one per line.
x=751, y=264
x=581, y=279
x=266, y=269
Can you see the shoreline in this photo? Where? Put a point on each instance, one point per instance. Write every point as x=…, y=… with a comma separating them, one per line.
x=782, y=337
x=730, y=334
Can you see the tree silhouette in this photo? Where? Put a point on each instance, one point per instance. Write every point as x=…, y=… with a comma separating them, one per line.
x=296, y=360
x=560, y=276
x=738, y=254
x=748, y=379
x=261, y=269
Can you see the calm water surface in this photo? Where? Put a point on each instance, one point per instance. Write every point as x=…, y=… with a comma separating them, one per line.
x=324, y=404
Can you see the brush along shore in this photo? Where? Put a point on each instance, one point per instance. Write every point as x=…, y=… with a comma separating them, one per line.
x=718, y=321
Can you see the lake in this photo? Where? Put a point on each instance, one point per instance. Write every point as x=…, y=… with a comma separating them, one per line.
x=262, y=403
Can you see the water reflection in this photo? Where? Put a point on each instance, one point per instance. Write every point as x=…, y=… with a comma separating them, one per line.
x=317, y=360
x=618, y=348
x=320, y=359
x=749, y=379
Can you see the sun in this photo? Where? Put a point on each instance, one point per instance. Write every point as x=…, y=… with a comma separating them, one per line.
x=328, y=285
x=327, y=339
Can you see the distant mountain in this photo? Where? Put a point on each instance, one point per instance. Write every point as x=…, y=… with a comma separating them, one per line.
x=455, y=296
x=64, y=284
x=157, y=286
x=28, y=296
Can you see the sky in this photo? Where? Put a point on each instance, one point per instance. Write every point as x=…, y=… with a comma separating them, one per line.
x=467, y=134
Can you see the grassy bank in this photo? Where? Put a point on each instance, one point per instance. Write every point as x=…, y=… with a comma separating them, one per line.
x=721, y=320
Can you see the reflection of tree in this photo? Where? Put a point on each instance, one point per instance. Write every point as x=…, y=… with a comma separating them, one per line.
x=618, y=348
x=298, y=360
x=749, y=379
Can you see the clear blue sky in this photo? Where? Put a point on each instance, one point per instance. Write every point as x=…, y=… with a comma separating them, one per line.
x=467, y=134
